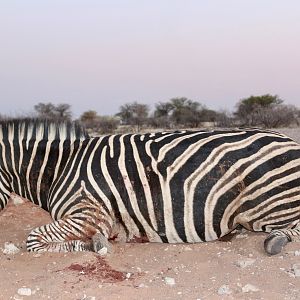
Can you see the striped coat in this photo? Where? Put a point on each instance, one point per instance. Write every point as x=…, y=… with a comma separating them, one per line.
x=175, y=187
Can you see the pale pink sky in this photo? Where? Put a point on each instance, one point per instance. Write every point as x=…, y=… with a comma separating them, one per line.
x=101, y=54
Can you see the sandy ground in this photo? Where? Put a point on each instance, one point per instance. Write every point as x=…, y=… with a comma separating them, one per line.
x=235, y=269
x=215, y=270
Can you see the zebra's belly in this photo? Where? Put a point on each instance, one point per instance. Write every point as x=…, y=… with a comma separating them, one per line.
x=169, y=234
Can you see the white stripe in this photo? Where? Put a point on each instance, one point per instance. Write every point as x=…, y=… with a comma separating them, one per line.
x=128, y=221
x=170, y=229
x=133, y=200
x=111, y=145
x=41, y=172
x=60, y=154
x=144, y=181
x=91, y=178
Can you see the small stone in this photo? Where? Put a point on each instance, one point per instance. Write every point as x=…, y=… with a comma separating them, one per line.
x=187, y=248
x=241, y=236
x=128, y=275
x=24, y=291
x=297, y=253
x=141, y=285
x=169, y=280
x=103, y=251
x=224, y=290
x=248, y=288
x=17, y=200
x=10, y=248
x=296, y=269
x=244, y=263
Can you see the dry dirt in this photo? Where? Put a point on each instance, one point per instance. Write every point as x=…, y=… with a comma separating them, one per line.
x=141, y=271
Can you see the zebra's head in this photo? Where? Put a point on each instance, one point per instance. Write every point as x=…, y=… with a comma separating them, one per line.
x=28, y=147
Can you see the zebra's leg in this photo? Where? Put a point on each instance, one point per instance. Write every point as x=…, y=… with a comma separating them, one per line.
x=278, y=238
x=74, y=233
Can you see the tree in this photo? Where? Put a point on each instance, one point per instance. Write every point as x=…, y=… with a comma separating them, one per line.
x=50, y=111
x=63, y=111
x=100, y=124
x=89, y=119
x=186, y=112
x=45, y=110
x=134, y=114
x=249, y=109
x=162, y=114
x=107, y=124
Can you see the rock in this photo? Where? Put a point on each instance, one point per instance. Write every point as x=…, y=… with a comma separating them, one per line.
x=103, y=251
x=169, y=280
x=241, y=236
x=17, y=200
x=249, y=288
x=296, y=269
x=297, y=253
x=24, y=291
x=224, y=290
x=10, y=248
x=244, y=263
x=187, y=248
x=85, y=297
x=128, y=275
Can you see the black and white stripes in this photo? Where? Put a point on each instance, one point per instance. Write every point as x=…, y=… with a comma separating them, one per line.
x=164, y=187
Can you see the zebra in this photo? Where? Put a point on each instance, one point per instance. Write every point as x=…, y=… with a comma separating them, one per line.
x=169, y=187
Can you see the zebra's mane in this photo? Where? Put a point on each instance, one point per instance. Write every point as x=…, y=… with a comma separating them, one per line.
x=34, y=129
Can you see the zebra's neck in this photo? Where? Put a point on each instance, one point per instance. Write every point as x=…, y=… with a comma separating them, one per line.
x=32, y=155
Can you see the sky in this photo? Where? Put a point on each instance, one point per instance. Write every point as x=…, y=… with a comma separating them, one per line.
x=98, y=55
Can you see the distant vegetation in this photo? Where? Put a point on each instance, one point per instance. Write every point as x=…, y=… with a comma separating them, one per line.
x=267, y=111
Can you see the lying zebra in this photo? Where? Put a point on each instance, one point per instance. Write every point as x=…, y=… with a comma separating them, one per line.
x=174, y=187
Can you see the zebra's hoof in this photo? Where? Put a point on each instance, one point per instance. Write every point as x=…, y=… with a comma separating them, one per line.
x=274, y=243
x=101, y=245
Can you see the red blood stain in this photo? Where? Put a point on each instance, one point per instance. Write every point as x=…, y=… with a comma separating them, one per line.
x=99, y=270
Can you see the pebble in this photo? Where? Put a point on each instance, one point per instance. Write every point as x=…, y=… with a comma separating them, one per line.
x=10, y=248
x=241, y=236
x=24, y=291
x=169, y=280
x=249, y=288
x=85, y=297
x=17, y=200
x=297, y=253
x=244, y=263
x=296, y=269
x=224, y=290
x=103, y=251
x=187, y=248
